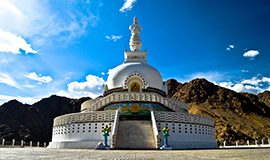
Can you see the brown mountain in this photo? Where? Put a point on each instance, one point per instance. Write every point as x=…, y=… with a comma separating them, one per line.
x=35, y=121
x=237, y=116
x=265, y=97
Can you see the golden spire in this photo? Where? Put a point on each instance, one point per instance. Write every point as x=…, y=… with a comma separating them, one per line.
x=135, y=21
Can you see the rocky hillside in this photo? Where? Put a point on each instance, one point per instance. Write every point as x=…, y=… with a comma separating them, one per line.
x=237, y=116
x=35, y=121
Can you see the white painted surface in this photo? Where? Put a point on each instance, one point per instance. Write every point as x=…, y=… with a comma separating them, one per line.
x=120, y=73
x=80, y=132
x=136, y=56
x=177, y=140
x=184, y=136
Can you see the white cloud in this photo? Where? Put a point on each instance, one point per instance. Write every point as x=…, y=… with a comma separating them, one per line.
x=12, y=43
x=34, y=76
x=7, y=6
x=6, y=58
x=62, y=94
x=226, y=84
x=29, y=86
x=254, y=85
x=251, y=54
x=266, y=79
x=102, y=73
x=6, y=79
x=253, y=81
x=127, y=6
x=239, y=87
x=27, y=100
x=43, y=22
x=91, y=86
x=113, y=37
x=76, y=94
x=244, y=71
x=230, y=47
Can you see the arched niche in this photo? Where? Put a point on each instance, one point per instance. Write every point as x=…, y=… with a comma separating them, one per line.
x=132, y=79
x=134, y=85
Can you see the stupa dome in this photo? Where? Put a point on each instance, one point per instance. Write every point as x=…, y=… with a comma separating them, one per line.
x=148, y=75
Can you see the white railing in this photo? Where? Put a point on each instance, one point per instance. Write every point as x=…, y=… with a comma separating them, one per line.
x=89, y=103
x=105, y=116
x=173, y=104
x=183, y=118
x=114, y=131
x=155, y=130
x=178, y=103
x=22, y=143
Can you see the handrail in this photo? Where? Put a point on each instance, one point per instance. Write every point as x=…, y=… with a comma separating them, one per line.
x=155, y=130
x=114, y=131
x=89, y=103
x=161, y=116
x=105, y=116
x=173, y=104
x=178, y=103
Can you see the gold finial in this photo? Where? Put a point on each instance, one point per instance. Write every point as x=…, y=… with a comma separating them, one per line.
x=166, y=128
x=135, y=20
x=107, y=129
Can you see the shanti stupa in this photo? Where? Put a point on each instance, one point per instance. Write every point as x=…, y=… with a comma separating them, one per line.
x=135, y=107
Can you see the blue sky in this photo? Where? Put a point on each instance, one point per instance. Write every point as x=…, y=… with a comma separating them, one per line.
x=67, y=47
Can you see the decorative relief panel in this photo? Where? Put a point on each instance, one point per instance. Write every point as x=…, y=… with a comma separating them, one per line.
x=135, y=108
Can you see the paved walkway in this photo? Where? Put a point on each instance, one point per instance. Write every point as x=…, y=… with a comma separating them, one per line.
x=43, y=153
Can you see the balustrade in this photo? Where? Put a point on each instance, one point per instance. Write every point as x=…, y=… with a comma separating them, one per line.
x=183, y=118
x=155, y=130
x=84, y=117
x=114, y=129
x=152, y=97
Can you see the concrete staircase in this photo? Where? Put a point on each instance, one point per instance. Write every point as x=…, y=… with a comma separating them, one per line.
x=135, y=135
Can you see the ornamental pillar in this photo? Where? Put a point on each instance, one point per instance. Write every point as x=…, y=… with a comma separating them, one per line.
x=106, y=134
x=166, y=135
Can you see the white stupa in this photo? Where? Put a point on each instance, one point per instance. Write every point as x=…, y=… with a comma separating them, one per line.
x=135, y=107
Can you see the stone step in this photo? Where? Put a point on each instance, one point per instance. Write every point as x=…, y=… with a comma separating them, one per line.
x=135, y=135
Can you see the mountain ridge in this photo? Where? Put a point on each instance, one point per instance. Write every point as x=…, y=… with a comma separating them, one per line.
x=237, y=116
x=35, y=121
